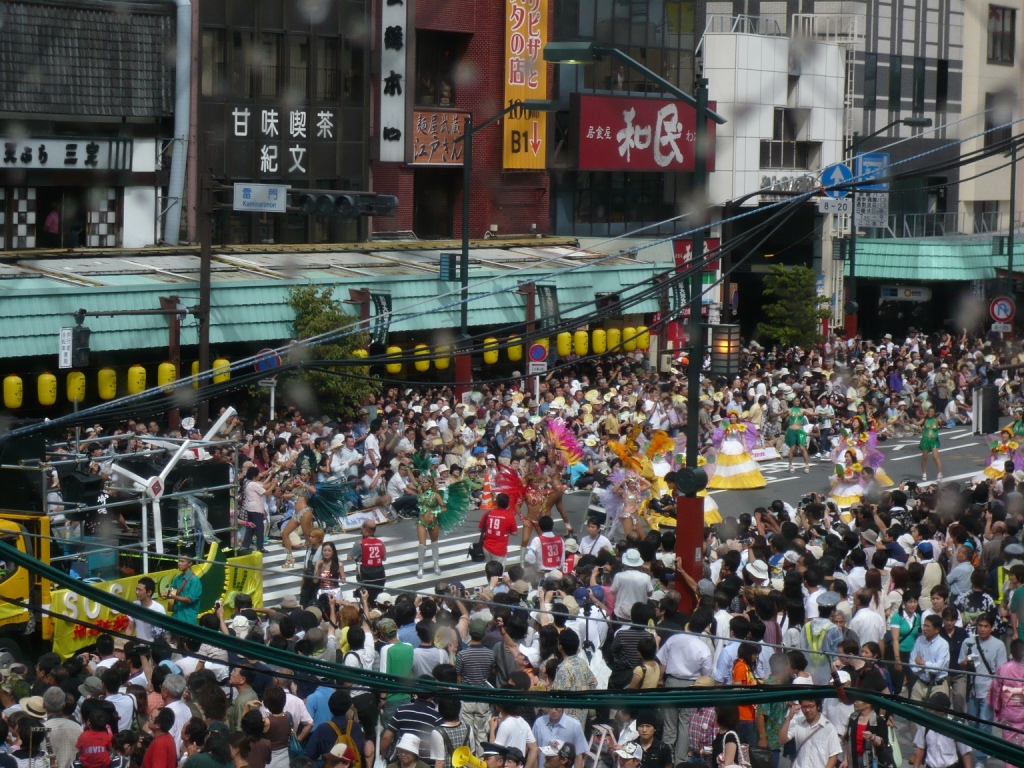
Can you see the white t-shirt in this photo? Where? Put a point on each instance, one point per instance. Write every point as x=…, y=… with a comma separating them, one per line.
x=514, y=732
x=371, y=445
x=146, y=631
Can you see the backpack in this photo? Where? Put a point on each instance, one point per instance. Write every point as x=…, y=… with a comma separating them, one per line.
x=346, y=738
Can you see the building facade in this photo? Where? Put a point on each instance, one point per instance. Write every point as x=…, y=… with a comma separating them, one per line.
x=86, y=102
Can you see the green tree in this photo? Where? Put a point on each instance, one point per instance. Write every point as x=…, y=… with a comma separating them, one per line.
x=317, y=312
x=795, y=314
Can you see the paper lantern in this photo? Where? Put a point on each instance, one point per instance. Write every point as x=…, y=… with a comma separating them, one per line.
x=629, y=338
x=136, y=379
x=106, y=384
x=360, y=353
x=490, y=350
x=546, y=343
x=563, y=342
x=166, y=373
x=221, y=370
x=515, y=349
x=422, y=351
x=643, y=338
x=600, y=341
x=76, y=386
x=195, y=372
x=14, y=391
x=581, y=342
x=442, y=357
x=46, y=387
x=614, y=338
x=394, y=368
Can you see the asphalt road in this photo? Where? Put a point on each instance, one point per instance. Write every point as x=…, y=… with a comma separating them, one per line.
x=963, y=456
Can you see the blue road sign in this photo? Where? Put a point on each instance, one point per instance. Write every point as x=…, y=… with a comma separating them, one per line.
x=870, y=166
x=833, y=175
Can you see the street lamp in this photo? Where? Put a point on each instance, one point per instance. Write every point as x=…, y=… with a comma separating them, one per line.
x=463, y=360
x=725, y=350
x=689, y=508
x=850, y=308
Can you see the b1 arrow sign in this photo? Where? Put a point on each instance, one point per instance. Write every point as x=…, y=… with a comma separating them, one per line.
x=535, y=141
x=834, y=175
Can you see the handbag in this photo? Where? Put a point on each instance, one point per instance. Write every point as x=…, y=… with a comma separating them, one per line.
x=295, y=748
x=476, y=549
x=742, y=752
x=761, y=757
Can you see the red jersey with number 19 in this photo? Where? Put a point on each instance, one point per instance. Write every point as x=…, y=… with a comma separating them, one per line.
x=498, y=525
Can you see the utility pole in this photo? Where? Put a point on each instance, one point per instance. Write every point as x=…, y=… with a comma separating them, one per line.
x=202, y=311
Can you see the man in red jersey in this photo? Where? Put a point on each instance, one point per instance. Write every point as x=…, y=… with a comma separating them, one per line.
x=498, y=525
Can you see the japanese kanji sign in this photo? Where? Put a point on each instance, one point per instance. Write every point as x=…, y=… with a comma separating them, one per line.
x=526, y=33
x=636, y=134
x=283, y=136
x=67, y=154
x=433, y=137
x=393, y=80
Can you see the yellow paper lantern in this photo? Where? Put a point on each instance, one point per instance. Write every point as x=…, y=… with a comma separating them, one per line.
x=423, y=351
x=546, y=343
x=581, y=342
x=643, y=338
x=106, y=384
x=360, y=353
x=614, y=339
x=76, y=386
x=394, y=368
x=629, y=338
x=221, y=370
x=166, y=373
x=600, y=341
x=490, y=350
x=46, y=387
x=14, y=391
x=136, y=379
x=195, y=372
x=563, y=342
x=442, y=357
x=515, y=349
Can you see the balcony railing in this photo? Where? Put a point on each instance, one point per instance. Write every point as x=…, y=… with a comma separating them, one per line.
x=907, y=225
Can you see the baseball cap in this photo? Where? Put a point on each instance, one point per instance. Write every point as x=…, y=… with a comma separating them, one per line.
x=341, y=752
x=488, y=748
x=630, y=751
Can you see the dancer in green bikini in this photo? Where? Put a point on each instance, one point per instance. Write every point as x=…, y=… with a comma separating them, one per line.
x=930, y=444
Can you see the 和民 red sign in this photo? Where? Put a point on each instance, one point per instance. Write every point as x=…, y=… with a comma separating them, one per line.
x=625, y=133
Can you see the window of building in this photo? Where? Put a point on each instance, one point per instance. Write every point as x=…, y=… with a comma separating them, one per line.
x=785, y=149
x=986, y=216
x=298, y=67
x=242, y=54
x=895, y=82
x=328, y=68
x=214, y=62
x=1002, y=34
x=998, y=119
x=436, y=56
x=602, y=197
x=870, y=80
x=268, y=64
x=941, y=85
x=919, y=83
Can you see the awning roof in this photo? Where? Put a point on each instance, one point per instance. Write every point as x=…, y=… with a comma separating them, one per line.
x=929, y=260
x=38, y=295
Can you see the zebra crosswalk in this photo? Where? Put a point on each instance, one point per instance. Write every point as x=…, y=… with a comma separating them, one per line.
x=401, y=563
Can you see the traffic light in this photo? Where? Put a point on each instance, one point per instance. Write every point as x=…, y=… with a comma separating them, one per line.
x=346, y=205
x=80, y=346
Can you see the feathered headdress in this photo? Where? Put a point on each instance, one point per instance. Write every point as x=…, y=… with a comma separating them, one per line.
x=660, y=443
x=563, y=440
x=629, y=458
x=507, y=481
x=421, y=461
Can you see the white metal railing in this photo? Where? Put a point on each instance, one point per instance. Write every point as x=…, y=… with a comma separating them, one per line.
x=743, y=24
x=839, y=28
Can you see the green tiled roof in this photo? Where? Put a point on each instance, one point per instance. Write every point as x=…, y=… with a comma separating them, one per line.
x=929, y=259
x=32, y=312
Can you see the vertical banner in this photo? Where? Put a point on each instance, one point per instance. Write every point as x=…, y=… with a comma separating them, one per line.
x=547, y=306
x=382, y=311
x=393, y=81
x=526, y=34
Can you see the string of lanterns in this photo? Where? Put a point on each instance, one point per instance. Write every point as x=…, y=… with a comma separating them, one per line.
x=600, y=341
x=106, y=383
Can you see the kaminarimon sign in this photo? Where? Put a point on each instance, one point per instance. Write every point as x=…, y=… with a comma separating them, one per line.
x=623, y=133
